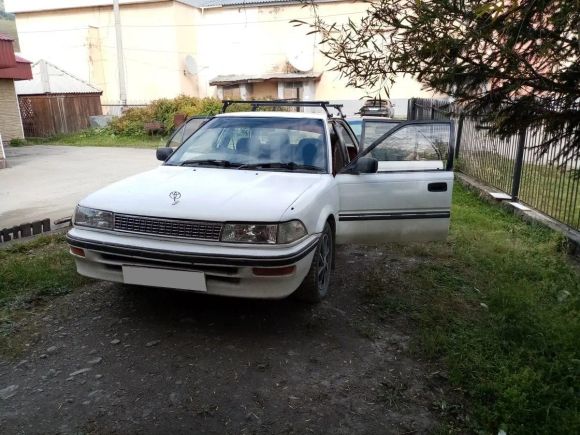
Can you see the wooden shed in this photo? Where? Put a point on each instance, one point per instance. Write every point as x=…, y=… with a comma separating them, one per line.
x=56, y=102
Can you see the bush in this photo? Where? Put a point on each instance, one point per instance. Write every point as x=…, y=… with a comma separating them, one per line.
x=16, y=142
x=133, y=120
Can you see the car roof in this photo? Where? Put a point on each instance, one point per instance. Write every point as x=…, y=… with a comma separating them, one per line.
x=266, y=114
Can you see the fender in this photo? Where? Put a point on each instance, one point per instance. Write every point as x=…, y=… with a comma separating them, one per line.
x=315, y=205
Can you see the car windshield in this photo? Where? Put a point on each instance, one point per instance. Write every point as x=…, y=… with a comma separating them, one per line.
x=276, y=143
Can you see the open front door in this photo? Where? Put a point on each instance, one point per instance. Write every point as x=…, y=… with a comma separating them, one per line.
x=409, y=197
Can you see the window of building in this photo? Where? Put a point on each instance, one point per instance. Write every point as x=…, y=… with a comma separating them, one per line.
x=293, y=90
x=232, y=92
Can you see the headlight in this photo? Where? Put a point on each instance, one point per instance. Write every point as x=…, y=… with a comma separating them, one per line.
x=271, y=234
x=250, y=233
x=89, y=217
x=289, y=232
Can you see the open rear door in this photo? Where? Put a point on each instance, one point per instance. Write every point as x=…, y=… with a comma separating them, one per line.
x=409, y=197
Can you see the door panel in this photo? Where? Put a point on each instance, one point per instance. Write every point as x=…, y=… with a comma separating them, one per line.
x=409, y=198
x=393, y=207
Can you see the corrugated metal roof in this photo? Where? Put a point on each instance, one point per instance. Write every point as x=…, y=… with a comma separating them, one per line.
x=252, y=78
x=224, y=3
x=20, y=6
x=50, y=79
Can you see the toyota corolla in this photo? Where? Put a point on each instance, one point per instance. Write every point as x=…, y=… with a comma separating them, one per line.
x=252, y=204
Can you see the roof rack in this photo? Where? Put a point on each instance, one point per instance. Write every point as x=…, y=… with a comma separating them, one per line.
x=285, y=103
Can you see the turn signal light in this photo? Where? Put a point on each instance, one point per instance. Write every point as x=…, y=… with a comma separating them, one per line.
x=273, y=271
x=77, y=251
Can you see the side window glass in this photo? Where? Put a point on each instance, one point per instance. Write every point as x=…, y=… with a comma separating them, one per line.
x=351, y=146
x=414, y=147
x=356, y=125
x=177, y=138
x=375, y=129
x=191, y=126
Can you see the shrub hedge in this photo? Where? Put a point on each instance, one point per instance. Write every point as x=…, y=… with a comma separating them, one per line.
x=132, y=121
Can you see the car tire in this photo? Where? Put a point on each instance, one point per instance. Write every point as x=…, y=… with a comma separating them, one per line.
x=315, y=286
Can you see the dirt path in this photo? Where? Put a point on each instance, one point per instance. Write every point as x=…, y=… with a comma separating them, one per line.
x=110, y=360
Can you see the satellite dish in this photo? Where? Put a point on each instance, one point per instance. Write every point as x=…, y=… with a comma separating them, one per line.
x=190, y=65
x=300, y=52
x=301, y=59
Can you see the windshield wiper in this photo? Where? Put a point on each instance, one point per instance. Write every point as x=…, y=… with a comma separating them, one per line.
x=211, y=162
x=292, y=166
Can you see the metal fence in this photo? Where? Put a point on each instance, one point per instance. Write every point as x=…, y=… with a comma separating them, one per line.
x=428, y=108
x=512, y=165
x=515, y=166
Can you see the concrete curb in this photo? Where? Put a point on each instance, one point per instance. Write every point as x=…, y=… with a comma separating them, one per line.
x=528, y=214
x=55, y=231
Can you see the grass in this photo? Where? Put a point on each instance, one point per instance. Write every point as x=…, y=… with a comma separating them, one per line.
x=30, y=274
x=499, y=306
x=99, y=138
x=546, y=188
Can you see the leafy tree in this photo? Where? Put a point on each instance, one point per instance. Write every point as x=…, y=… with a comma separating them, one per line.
x=514, y=64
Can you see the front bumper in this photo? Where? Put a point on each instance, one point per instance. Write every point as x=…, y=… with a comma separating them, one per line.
x=228, y=269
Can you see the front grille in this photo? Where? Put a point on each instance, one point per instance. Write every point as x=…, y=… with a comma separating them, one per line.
x=168, y=227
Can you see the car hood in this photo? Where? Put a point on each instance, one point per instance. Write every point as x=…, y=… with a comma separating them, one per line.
x=212, y=194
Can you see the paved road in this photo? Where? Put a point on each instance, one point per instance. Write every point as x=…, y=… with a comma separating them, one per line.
x=47, y=181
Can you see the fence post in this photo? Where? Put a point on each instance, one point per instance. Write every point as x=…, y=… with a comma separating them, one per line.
x=459, y=133
x=518, y=166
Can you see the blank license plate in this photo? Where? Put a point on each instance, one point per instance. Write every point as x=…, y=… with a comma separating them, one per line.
x=178, y=279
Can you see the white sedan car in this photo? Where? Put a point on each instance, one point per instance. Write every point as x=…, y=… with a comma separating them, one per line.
x=252, y=204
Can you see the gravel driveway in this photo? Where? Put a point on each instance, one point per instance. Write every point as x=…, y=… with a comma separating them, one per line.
x=107, y=359
x=46, y=181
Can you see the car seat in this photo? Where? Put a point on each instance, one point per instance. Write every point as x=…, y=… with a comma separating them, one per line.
x=273, y=146
x=309, y=150
x=243, y=146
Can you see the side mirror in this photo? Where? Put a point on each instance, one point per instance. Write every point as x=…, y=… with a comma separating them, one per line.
x=164, y=153
x=365, y=165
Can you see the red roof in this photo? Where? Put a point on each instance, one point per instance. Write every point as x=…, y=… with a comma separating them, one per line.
x=21, y=59
x=12, y=66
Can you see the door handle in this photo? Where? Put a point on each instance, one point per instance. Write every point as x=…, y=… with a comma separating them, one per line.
x=437, y=187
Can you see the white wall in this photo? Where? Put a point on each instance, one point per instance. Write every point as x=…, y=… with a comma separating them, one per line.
x=158, y=35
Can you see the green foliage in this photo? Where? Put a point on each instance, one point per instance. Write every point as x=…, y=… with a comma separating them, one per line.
x=500, y=305
x=33, y=270
x=133, y=120
x=16, y=142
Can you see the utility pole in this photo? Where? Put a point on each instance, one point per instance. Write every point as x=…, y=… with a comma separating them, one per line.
x=120, y=59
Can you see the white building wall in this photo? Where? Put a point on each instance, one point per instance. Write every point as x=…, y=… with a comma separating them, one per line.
x=159, y=35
